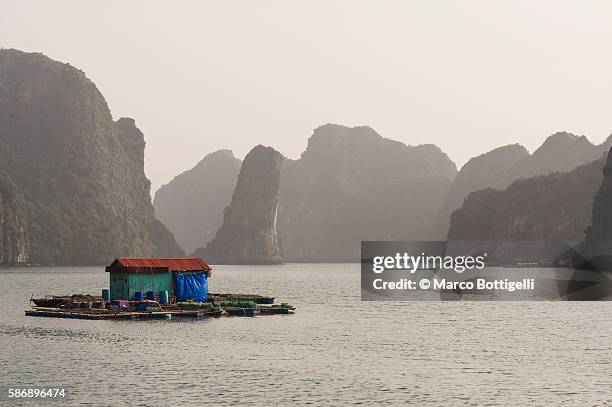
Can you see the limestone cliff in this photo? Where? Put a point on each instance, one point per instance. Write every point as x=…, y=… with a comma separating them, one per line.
x=248, y=234
x=351, y=184
x=191, y=205
x=81, y=173
x=497, y=169
x=599, y=234
x=560, y=152
x=554, y=207
x=14, y=238
x=489, y=170
x=601, y=222
x=137, y=209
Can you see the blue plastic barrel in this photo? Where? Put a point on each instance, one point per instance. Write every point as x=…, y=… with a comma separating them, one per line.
x=106, y=294
x=151, y=295
x=141, y=307
x=138, y=296
x=163, y=296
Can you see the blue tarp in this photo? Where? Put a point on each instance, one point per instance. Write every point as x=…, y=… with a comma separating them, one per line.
x=191, y=287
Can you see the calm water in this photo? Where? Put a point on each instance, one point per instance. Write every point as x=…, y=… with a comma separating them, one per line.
x=336, y=350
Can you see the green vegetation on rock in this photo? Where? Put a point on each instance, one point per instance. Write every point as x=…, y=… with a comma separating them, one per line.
x=81, y=173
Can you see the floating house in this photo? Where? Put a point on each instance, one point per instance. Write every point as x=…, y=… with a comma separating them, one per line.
x=184, y=279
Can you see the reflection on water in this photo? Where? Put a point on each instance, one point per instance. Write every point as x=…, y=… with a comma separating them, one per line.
x=335, y=350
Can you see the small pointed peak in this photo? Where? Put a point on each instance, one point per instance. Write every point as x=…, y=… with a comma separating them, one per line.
x=223, y=155
x=563, y=136
x=127, y=120
x=260, y=149
x=561, y=139
x=223, y=152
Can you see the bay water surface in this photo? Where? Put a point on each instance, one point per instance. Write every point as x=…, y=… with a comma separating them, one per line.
x=335, y=350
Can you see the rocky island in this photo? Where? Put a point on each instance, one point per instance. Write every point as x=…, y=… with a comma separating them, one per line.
x=249, y=234
x=352, y=184
x=81, y=174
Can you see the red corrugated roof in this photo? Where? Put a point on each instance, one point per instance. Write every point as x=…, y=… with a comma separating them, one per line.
x=180, y=264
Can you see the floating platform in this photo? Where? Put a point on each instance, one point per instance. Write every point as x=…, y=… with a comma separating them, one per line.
x=275, y=310
x=92, y=307
x=56, y=301
x=100, y=314
x=107, y=314
x=241, y=312
x=257, y=299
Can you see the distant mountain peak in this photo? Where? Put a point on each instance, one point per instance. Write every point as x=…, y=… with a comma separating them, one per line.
x=125, y=121
x=563, y=139
x=516, y=147
x=222, y=154
x=191, y=205
x=330, y=132
x=330, y=128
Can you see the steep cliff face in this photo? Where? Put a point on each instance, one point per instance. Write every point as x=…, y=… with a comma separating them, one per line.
x=248, y=234
x=497, y=169
x=489, y=170
x=152, y=238
x=554, y=207
x=191, y=205
x=14, y=238
x=81, y=173
x=351, y=184
x=600, y=229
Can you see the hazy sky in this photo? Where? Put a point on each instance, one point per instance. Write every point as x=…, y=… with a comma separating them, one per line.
x=198, y=76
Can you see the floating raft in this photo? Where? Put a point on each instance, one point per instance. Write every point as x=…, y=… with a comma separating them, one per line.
x=164, y=314
x=257, y=299
x=241, y=312
x=83, y=314
x=81, y=306
x=275, y=310
x=56, y=301
x=106, y=314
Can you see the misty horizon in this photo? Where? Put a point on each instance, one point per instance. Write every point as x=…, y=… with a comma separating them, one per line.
x=467, y=78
